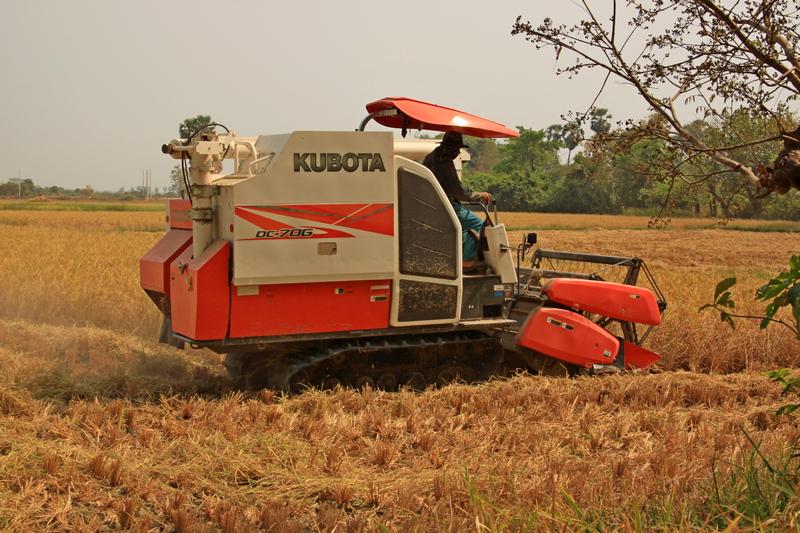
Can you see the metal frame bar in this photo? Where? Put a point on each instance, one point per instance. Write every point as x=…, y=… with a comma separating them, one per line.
x=381, y=113
x=485, y=209
x=589, y=258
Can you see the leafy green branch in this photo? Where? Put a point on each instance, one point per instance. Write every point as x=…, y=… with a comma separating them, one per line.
x=781, y=291
x=791, y=385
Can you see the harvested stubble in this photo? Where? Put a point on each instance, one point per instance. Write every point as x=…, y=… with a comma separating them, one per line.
x=135, y=448
x=501, y=454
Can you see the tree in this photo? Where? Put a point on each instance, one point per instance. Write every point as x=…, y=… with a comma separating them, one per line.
x=713, y=56
x=582, y=187
x=193, y=125
x=529, y=153
x=572, y=136
x=554, y=133
x=512, y=193
x=526, y=166
x=484, y=154
x=8, y=189
x=734, y=196
x=569, y=135
x=635, y=179
x=600, y=121
x=529, y=176
x=642, y=167
x=176, y=181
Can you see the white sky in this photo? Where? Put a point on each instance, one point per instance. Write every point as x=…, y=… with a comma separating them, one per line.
x=91, y=89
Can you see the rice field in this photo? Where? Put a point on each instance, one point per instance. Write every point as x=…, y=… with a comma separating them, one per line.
x=102, y=428
x=514, y=220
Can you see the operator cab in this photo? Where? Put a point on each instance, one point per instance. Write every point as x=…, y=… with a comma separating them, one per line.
x=426, y=228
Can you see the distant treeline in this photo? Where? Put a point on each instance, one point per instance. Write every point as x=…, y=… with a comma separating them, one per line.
x=622, y=172
x=26, y=188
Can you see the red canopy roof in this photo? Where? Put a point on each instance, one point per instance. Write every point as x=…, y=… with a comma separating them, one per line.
x=416, y=115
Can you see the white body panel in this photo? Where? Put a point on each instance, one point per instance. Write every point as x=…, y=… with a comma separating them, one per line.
x=310, y=207
x=499, y=256
x=286, y=194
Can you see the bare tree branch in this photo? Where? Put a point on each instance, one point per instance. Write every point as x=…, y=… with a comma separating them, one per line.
x=720, y=56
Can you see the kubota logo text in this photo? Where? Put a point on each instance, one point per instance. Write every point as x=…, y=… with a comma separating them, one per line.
x=333, y=162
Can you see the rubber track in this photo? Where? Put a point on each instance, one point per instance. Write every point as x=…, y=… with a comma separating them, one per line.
x=470, y=355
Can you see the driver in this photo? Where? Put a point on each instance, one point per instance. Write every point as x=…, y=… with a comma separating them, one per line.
x=440, y=162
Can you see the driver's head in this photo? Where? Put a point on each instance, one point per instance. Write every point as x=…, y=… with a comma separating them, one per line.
x=452, y=143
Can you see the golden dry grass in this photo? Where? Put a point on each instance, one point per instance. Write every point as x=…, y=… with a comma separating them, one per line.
x=102, y=428
x=63, y=275
x=441, y=460
x=47, y=203
x=88, y=221
x=499, y=455
x=514, y=220
x=60, y=363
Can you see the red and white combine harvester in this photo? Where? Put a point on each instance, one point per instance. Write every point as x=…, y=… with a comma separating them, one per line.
x=334, y=257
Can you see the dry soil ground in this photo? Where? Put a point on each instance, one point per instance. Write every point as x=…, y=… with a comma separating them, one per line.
x=102, y=428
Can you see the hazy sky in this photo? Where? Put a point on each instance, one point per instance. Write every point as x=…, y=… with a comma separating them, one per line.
x=91, y=89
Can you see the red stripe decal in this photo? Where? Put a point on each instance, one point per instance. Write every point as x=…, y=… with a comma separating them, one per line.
x=374, y=218
x=377, y=218
x=328, y=213
x=260, y=221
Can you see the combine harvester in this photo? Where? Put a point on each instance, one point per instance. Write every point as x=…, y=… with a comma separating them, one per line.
x=328, y=258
